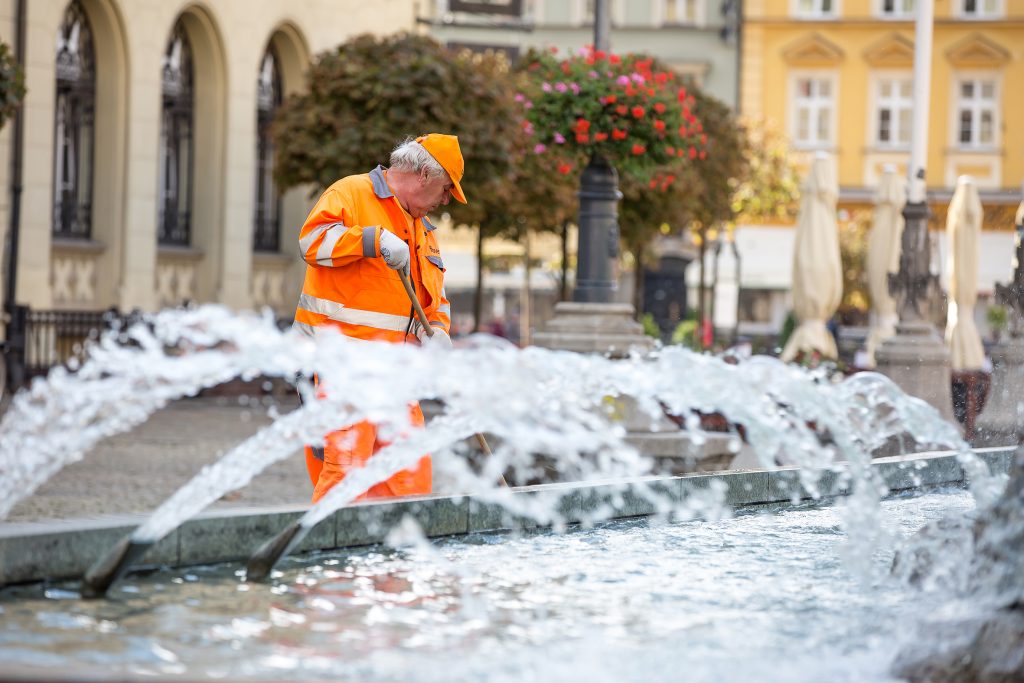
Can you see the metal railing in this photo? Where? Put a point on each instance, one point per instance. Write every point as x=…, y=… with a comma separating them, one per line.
x=40, y=340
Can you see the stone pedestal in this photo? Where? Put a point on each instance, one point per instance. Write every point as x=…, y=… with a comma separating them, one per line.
x=918, y=362
x=1003, y=415
x=593, y=328
x=609, y=328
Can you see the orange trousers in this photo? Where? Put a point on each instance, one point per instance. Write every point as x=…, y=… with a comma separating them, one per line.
x=351, y=447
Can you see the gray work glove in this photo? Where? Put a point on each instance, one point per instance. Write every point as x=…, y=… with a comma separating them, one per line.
x=439, y=339
x=394, y=250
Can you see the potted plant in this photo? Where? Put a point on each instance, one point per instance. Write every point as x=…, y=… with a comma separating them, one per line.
x=997, y=319
x=596, y=107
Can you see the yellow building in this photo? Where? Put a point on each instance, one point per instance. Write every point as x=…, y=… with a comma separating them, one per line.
x=837, y=77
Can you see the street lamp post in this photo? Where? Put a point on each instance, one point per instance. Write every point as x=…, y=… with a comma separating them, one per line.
x=915, y=358
x=593, y=321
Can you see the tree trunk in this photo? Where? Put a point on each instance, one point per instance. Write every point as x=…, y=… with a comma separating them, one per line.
x=524, y=300
x=638, y=283
x=563, y=295
x=702, y=289
x=478, y=295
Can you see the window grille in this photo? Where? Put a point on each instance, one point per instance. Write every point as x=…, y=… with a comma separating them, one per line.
x=176, y=142
x=268, y=200
x=75, y=111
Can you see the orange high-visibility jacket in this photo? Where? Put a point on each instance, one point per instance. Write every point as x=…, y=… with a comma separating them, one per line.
x=348, y=285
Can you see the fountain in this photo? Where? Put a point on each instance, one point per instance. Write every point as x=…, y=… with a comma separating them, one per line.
x=560, y=405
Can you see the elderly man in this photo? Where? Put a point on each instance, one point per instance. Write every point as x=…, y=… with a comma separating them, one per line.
x=362, y=229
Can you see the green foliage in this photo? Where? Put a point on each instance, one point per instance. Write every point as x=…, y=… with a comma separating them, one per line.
x=853, y=251
x=686, y=193
x=623, y=108
x=370, y=93
x=686, y=333
x=997, y=317
x=770, y=189
x=651, y=328
x=788, y=327
x=12, y=84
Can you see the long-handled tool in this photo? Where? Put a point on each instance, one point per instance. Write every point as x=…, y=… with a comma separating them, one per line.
x=262, y=562
x=428, y=329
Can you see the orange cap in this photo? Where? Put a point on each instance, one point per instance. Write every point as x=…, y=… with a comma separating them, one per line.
x=445, y=150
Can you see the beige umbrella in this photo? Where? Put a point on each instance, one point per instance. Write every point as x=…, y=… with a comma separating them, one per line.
x=817, y=269
x=963, y=232
x=884, y=258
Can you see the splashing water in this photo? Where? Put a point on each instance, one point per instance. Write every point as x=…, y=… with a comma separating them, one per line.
x=532, y=401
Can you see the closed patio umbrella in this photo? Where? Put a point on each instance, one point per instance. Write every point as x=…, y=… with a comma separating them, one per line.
x=817, y=269
x=963, y=232
x=884, y=258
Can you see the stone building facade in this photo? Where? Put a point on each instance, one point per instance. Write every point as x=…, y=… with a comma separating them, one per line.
x=146, y=156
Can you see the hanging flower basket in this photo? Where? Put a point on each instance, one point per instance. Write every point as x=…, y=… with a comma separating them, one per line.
x=594, y=104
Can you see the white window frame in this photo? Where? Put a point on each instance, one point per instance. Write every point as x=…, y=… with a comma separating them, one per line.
x=795, y=77
x=976, y=106
x=875, y=106
x=698, y=7
x=900, y=11
x=816, y=13
x=581, y=15
x=998, y=10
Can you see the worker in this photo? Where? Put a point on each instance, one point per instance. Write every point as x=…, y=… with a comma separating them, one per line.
x=361, y=231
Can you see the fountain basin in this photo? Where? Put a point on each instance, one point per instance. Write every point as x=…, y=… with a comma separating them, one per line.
x=36, y=551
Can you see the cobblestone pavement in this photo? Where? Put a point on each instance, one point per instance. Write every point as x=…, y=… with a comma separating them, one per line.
x=136, y=471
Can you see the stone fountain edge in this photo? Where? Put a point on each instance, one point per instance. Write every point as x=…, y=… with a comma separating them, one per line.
x=62, y=549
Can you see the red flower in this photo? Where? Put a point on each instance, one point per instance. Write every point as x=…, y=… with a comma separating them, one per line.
x=618, y=134
x=703, y=139
x=639, y=149
x=693, y=152
x=599, y=54
x=582, y=125
x=615, y=59
x=582, y=137
x=653, y=183
x=703, y=154
x=637, y=111
x=630, y=91
x=659, y=125
x=660, y=77
x=659, y=107
x=611, y=99
x=670, y=150
x=600, y=137
x=621, y=109
x=564, y=168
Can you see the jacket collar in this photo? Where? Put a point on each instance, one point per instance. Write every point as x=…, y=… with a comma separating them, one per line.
x=381, y=189
x=380, y=186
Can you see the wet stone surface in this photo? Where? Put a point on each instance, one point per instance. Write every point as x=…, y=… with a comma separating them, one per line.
x=136, y=471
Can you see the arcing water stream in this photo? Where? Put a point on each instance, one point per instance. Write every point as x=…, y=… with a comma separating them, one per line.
x=562, y=405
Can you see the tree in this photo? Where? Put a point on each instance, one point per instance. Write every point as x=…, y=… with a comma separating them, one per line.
x=694, y=196
x=12, y=84
x=371, y=92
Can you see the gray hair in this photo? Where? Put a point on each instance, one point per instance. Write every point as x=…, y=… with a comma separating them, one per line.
x=413, y=157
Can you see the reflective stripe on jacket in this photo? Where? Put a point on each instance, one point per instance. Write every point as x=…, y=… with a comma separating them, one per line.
x=348, y=285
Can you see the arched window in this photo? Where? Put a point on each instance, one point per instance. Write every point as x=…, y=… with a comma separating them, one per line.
x=73, y=128
x=268, y=200
x=175, y=208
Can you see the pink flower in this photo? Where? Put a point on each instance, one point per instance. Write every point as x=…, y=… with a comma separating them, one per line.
x=520, y=97
x=637, y=78
x=622, y=80
x=575, y=88
x=545, y=86
x=561, y=87
x=528, y=104
x=593, y=74
x=559, y=139
x=539, y=148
